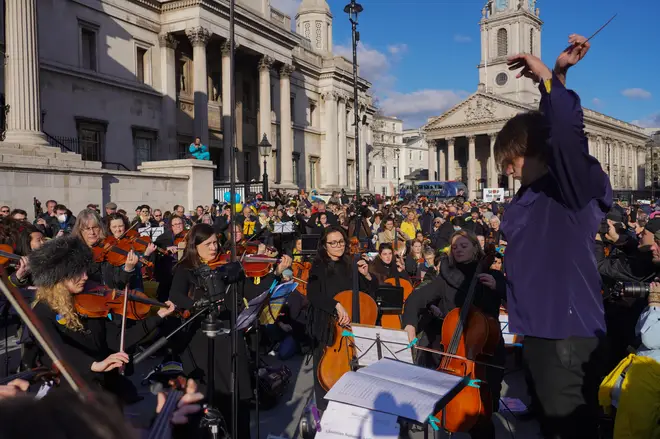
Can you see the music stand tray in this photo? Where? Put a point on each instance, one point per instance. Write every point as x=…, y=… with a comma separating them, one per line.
x=310, y=244
x=390, y=299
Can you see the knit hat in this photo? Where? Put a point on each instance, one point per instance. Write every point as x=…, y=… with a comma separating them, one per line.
x=63, y=258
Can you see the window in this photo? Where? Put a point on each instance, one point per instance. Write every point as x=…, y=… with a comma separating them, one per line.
x=247, y=174
x=383, y=191
x=394, y=126
x=311, y=114
x=502, y=42
x=88, y=46
x=410, y=170
x=421, y=156
x=383, y=171
x=183, y=85
x=531, y=41
x=410, y=155
x=91, y=137
x=501, y=79
x=142, y=65
x=293, y=108
x=144, y=142
x=247, y=99
x=272, y=97
x=313, y=172
x=183, y=150
x=295, y=167
x=394, y=173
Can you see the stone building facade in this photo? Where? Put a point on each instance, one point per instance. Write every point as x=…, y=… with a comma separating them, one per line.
x=461, y=140
x=395, y=155
x=123, y=82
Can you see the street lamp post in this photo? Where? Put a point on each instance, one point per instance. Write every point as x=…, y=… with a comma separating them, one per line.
x=353, y=9
x=265, y=149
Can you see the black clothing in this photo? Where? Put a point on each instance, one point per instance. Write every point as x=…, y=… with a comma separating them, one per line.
x=314, y=219
x=475, y=227
x=449, y=289
x=381, y=271
x=92, y=344
x=324, y=283
x=440, y=238
x=566, y=375
x=188, y=287
x=54, y=226
x=103, y=273
x=411, y=265
x=426, y=222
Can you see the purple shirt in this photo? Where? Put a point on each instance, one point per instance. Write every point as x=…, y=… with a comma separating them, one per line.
x=553, y=285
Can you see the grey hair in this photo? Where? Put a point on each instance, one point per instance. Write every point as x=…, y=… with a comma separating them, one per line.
x=84, y=217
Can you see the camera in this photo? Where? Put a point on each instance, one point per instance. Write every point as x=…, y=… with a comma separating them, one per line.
x=631, y=289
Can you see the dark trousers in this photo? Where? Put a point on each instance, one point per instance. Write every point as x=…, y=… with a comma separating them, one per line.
x=565, y=376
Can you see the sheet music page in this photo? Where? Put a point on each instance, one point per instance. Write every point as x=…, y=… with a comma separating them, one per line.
x=373, y=393
x=347, y=421
x=417, y=377
x=393, y=344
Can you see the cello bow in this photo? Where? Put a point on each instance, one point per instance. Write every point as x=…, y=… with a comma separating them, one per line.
x=35, y=326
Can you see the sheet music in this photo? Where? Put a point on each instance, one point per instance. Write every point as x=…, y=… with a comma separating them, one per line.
x=373, y=393
x=392, y=341
x=249, y=314
x=347, y=421
x=420, y=378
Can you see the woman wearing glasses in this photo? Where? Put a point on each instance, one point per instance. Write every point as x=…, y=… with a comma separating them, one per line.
x=89, y=228
x=331, y=273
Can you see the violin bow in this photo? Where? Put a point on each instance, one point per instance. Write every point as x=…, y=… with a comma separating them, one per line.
x=123, y=327
x=35, y=326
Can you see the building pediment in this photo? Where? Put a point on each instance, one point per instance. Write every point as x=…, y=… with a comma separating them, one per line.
x=479, y=108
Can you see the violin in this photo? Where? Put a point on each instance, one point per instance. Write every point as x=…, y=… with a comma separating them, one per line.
x=35, y=376
x=116, y=253
x=36, y=328
x=99, y=301
x=219, y=260
x=140, y=243
x=7, y=254
x=301, y=275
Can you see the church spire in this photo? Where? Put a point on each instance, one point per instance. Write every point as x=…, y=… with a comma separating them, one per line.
x=508, y=27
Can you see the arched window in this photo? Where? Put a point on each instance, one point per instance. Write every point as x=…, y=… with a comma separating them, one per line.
x=502, y=42
x=531, y=41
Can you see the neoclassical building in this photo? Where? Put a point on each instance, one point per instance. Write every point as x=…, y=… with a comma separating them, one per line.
x=461, y=140
x=125, y=82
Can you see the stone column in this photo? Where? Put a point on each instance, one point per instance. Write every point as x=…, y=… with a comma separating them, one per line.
x=492, y=166
x=265, y=123
x=442, y=168
x=635, y=183
x=472, y=176
x=227, y=131
x=329, y=145
x=342, y=142
x=22, y=74
x=451, y=164
x=198, y=37
x=168, y=46
x=286, y=130
x=433, y=160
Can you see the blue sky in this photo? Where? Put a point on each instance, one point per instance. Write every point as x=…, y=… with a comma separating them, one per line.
x=421, y=55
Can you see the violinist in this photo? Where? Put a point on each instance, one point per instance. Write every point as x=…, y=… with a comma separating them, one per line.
x=414, y=258
x=117, y=225
x=169, y=240
x=331, y=273
x=188, y=286
x=448, y=291
x=388, y=264
x=59, y=271
x=89, y=228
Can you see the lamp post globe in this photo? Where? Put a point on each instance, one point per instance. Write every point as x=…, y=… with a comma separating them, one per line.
x=265, y=150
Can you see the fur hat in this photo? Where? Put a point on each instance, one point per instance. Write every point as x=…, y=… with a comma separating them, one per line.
x=59, y=259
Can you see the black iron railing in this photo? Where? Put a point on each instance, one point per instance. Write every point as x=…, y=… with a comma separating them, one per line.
x=249, y=188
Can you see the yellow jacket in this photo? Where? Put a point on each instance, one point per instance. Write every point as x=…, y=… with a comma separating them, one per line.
x=638, y=405
x=409, y=229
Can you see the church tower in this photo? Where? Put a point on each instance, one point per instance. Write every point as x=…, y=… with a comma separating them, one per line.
x=508, y=27
x=314, y=22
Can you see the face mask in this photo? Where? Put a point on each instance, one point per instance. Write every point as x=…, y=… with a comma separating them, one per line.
x=61, y=218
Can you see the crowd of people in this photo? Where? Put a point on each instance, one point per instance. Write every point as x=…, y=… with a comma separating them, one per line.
x=559, y=257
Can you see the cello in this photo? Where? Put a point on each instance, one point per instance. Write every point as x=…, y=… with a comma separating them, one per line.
x=337, y=358
x=468, y=334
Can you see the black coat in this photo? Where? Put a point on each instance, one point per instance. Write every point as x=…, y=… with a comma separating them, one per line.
x=187, y=287
x=440, y=238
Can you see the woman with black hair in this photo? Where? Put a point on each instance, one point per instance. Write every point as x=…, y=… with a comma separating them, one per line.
x=189, y=285
x=388, y=264
x=331, y=273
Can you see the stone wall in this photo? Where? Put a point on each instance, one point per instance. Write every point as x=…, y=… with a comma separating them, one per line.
x=160, y=184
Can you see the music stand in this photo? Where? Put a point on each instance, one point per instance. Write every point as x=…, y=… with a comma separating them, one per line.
x=310, y=244
x=374, y=343
x=390, y=299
